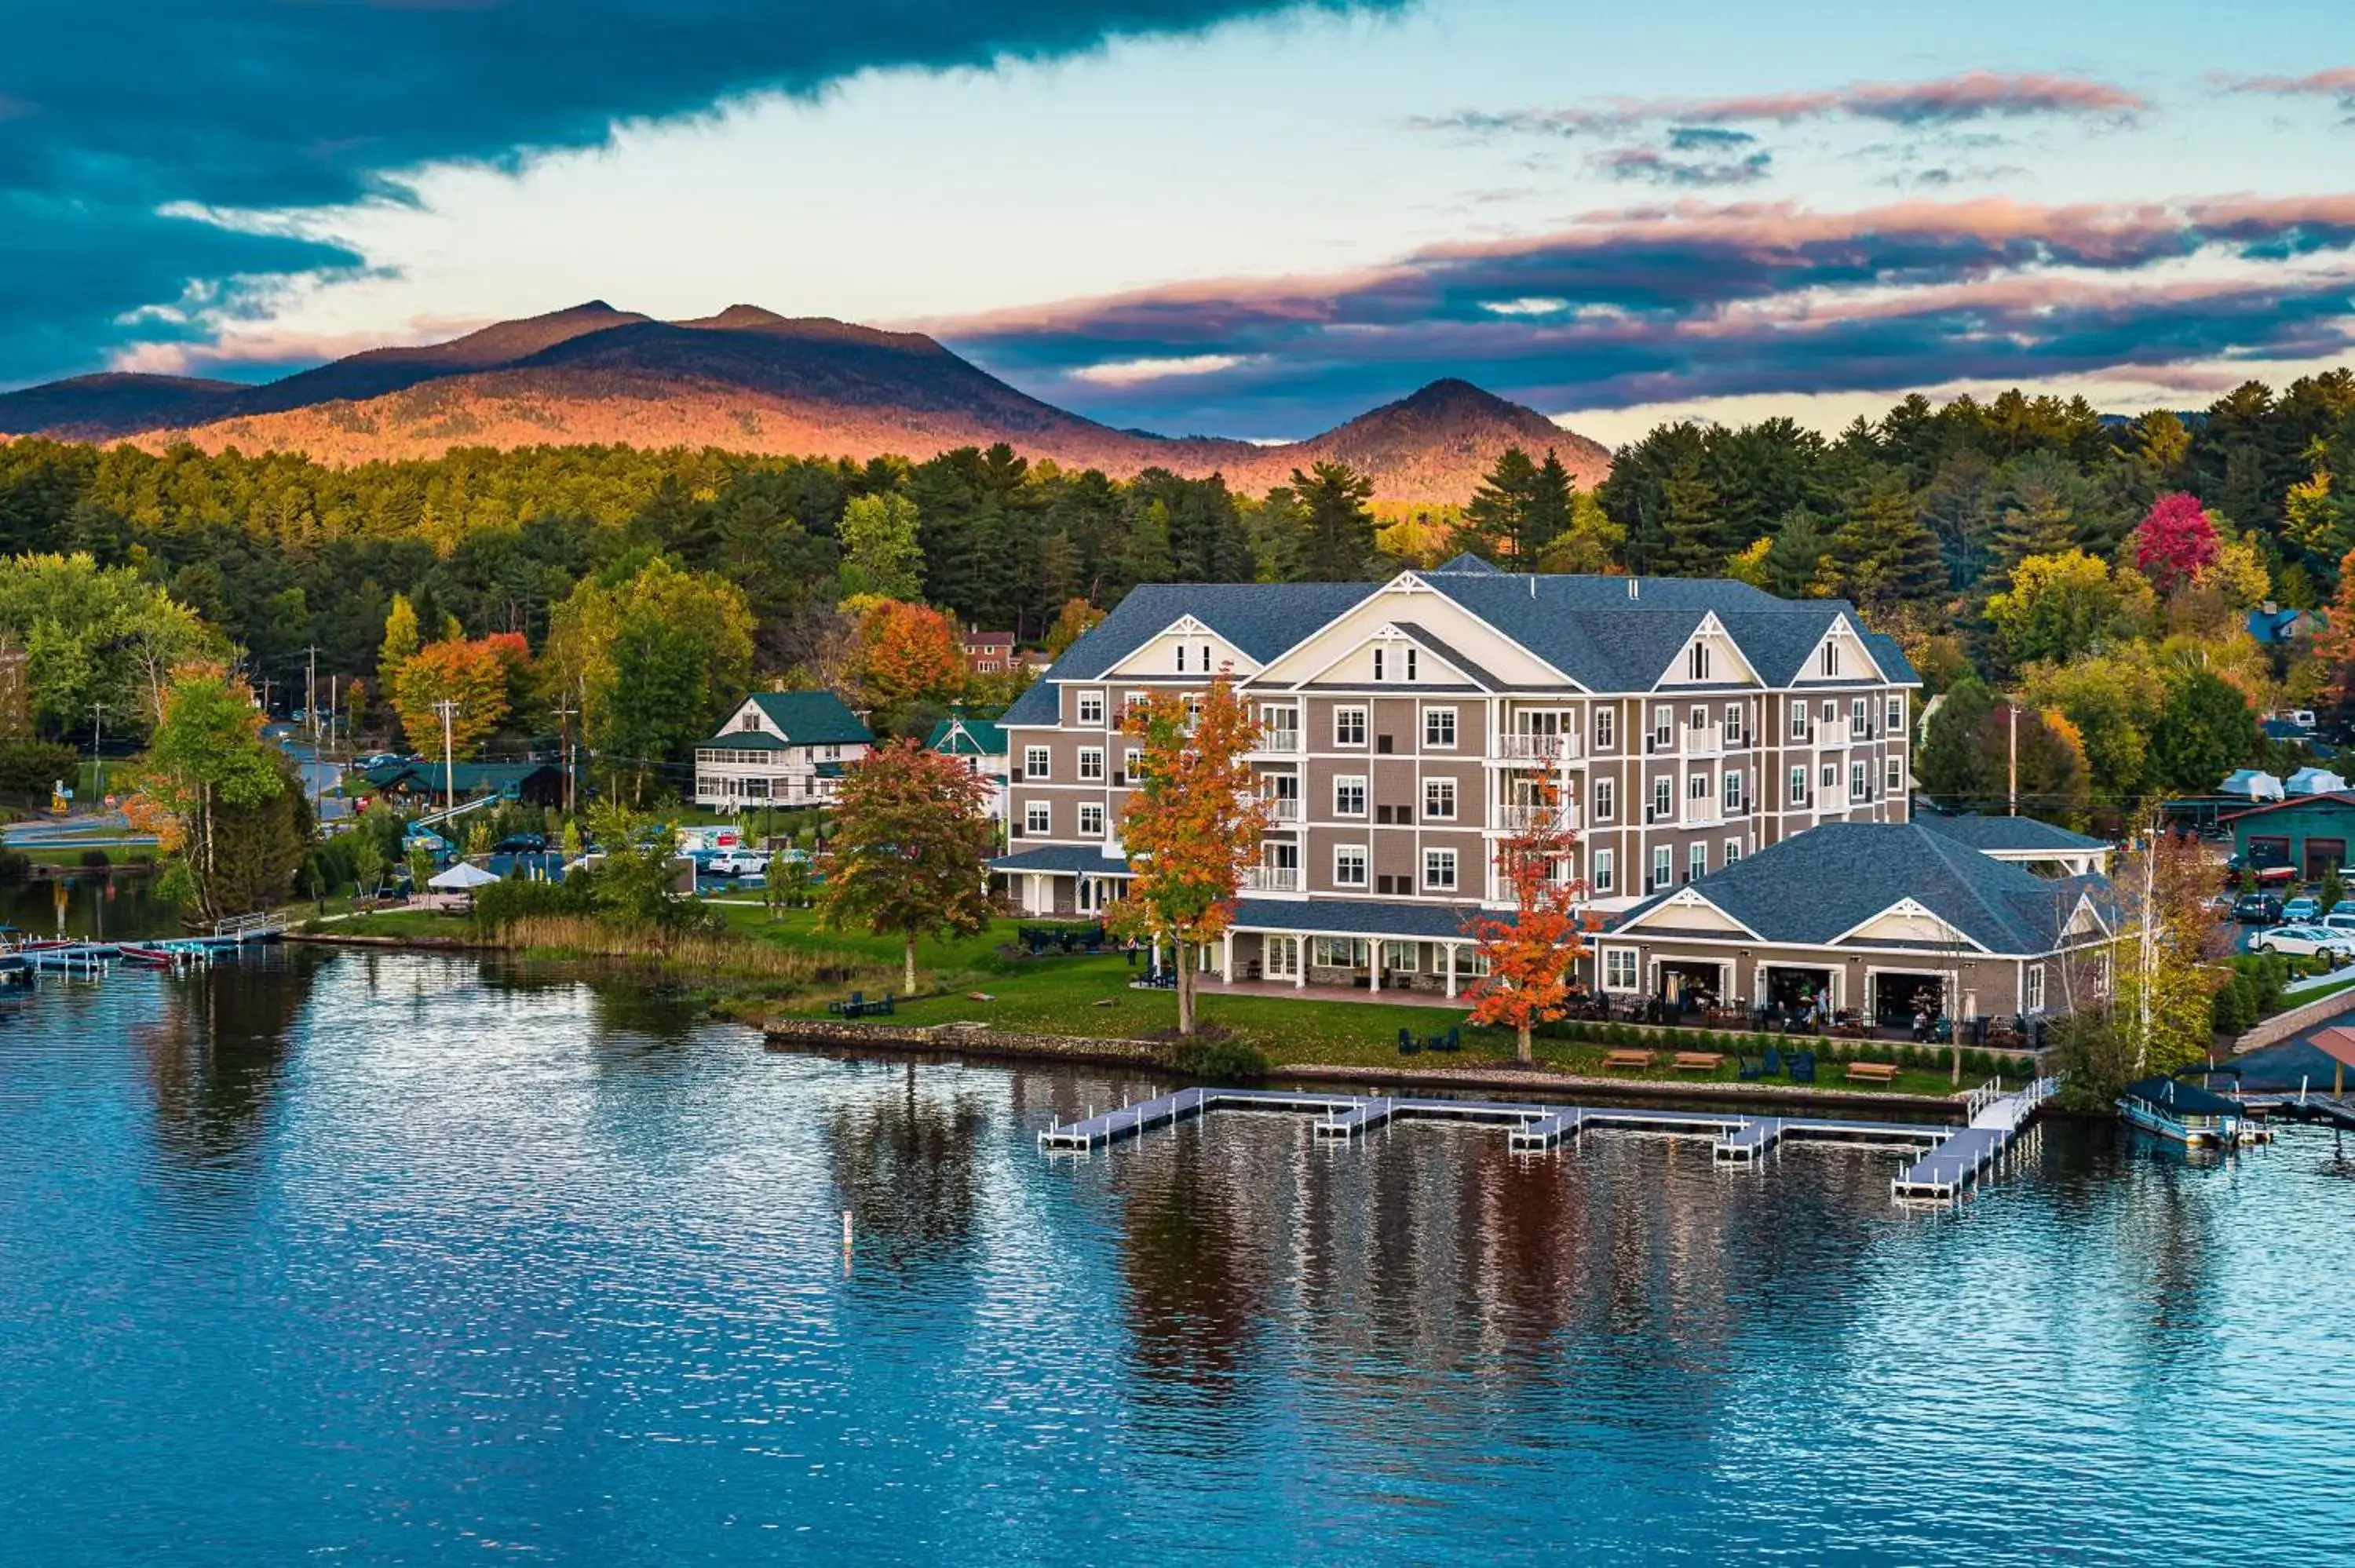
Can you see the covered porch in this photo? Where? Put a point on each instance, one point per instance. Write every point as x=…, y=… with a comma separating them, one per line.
x=1070, y=881
x=1383, y=952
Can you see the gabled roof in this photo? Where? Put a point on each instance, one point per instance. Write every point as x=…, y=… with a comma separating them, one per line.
x=812, y=719
x=2331, y=797
x=968, y=737
x=2013, y=834
x=746, y=740
x=1812, y=889
x=1468, y=562
x=1063, y=860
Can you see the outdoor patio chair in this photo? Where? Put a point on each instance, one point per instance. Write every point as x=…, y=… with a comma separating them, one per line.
x=1747, y=1069
x=1408, y=1044
x=1455, y=1039
x=1773, y=1065
x=1802, y=1067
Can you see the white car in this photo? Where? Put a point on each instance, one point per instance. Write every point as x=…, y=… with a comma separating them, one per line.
x=2301, y=941
x=736, y=862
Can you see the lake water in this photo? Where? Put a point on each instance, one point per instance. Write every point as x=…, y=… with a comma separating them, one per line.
x=390, y=1258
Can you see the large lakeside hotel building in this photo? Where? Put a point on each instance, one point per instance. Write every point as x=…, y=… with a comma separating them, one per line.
x=1691, y=726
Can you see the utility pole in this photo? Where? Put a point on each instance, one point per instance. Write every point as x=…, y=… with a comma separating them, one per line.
x=2013, y=770
x=448, y=709
x=311, y=694
x=564, y=714
x=97, y=759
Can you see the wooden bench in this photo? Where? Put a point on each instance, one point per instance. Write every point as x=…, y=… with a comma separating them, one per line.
x=1699, y=1060
x=1872, y=1072
x=1627, y=1059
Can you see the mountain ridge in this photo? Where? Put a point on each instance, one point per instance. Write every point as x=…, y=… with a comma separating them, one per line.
x=747, y=379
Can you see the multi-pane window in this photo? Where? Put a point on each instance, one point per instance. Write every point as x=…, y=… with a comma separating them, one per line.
x=1894, y=774
x=1439, y=870
x=1091, y=708
x=1181, y=658
x=1831, y=658
x=1856, y=722
x=1128, y=761
x=1799, y=721
x=1732, y=851
x=1664, y=803
x=1037, y=818
x=1696, y=862
x=1697, y=662
x=1091, y=821
x=1734, y=724
x=1831, y=714
x=1402, y=956
x=1619, y=968
x=1697, y=787
x=1439, y=799
x=1350, y=866
x=1092, y=762
x=1349, y=727
x=1349, y=795
x=1606, y=799
x=1831, y=779
x=1603, y=870
x=1798, y=786
x=1733, y=791
x=1894, y=717
x=2034, y=1000
x=1607, y=728
x=1439, y=729
x=1664, y=866
x=1860, y=783
x=1034, y=762
x=1338, y=952
x=1664, y=726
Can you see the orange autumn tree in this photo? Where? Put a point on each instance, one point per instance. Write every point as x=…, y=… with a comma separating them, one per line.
x=481, y=676
x=909, y=653
x=1193, y=822
x=1529, y=957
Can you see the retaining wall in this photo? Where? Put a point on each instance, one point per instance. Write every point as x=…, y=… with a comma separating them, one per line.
x=2295, y=1021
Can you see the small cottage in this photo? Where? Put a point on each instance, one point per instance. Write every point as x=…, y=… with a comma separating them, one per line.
x=780, y=748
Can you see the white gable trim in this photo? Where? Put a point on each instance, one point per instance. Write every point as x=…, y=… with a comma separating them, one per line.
x=1686, y=898
x=1387, y=633
x=1412, y=582
x=1709, y=626
x=1841, y=622
x=1911, y=909
x=1189, y=625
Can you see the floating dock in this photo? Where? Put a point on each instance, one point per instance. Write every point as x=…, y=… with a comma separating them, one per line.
x=91, y=959
x=1957, y=1155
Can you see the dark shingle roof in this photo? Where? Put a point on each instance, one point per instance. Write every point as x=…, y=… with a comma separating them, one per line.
x=1830, y=879
x=1353, y=918
x=1068, y=860
x=812, y=719
x=2014, y=833
x=1261, y=619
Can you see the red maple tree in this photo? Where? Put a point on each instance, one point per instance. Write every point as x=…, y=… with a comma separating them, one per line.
x=1530, y=957
x=2175, y=541
x=1193, y=822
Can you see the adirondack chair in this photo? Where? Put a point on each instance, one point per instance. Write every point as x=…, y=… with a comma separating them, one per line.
x=1408, y=1044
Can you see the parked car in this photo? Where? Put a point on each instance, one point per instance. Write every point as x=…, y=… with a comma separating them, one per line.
x=2338, y=922
x=2302, y=910
x=520, y=843
x=735, y=862
x=2344, y=907
x=2303, y=941
x=2256, y=909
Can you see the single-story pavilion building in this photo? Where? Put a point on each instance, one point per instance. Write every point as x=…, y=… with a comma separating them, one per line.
x=2040, y=846
x=426, y=781
x=2308, y=831
x=1883, y=920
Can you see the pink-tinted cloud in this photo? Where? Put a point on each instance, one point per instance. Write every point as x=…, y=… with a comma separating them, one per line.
x=2336, y=83
x=1691, y=300
x=1947, y=100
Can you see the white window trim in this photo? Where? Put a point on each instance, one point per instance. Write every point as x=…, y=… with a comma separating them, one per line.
x=1432, y=785
x=1342, y=780
x=1086, y=831
x=1364, y=865
x=1038, y=762
x=1091, y=754
x=1037, y=817
x=1603, y=864
x=1364, y=727
x=1454, y=730
x=1613, y=960
x=1606, y=729
x=1606, y=800
x=1454, y=870
x=1095, y=699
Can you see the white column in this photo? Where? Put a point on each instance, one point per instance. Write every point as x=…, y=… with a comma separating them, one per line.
x=1449, y=948
x=1226, y=959
x=1373, y=966
x=1299, y=962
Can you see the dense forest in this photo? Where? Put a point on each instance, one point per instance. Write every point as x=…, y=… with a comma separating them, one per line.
x=2010, y=544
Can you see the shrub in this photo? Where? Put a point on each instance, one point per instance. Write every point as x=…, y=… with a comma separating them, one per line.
x=33, y=767
x=96, y=859
x=1215, y=1059
x=14, y=865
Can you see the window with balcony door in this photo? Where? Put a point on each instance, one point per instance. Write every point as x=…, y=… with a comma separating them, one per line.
x=1829, y=781
x=1734, y=724
x=1034, y=762
x=1698, y=719
x=1091, y=820
x=1606, y=729
x=1732, y=787
x=1607, y=797
x=1439, y=729
x=1349, y=727
x=1038, y=819
x=1664, y=867
x=1349, y=795
x=1439, y=799
x=1664, y=803
x=1349, y=865
x=1091, y=762
x=1091, y=708
x=2033, y=1002
x=1439, y=870
x=1830, y=714
x=1696, y=788
x=1602, y=859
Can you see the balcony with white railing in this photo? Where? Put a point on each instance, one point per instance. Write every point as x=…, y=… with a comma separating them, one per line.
x=1282, y=808
x=1516, y=747
x=1279, y=741
x=1519, y=817
x=1705, y=740
x=1271, y=879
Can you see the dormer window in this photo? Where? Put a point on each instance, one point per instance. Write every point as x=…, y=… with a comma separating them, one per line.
x=1697, y=662
x=752, y=719
x=1409, y=663
x=1181, y=658
x=1379, y=674
x=1831, y=658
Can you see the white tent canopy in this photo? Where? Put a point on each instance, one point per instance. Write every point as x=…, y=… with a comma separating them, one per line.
x=462, y=877
x=2315, y=781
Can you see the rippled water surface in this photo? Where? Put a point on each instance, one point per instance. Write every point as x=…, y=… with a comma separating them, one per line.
x=392, y=1259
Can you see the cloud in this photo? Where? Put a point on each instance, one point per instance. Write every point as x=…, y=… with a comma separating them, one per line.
x=1947, y=101
x=1691, y=300
x=1707, y=139
x=109, y=151
x=2337, y=84
x=1657, y=167
x=1130, y=372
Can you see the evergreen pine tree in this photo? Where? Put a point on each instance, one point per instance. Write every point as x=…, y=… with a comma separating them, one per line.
x=1496, y=520
x=1340, y=528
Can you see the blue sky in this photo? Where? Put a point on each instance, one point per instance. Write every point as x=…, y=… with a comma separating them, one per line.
x=1234, y=217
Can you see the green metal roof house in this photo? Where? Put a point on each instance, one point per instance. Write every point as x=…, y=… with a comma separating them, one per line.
x=981, y=743
x=784, y=748
x=2309, y=833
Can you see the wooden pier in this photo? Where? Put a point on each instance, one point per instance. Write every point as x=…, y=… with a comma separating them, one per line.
x=1956, y=1158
